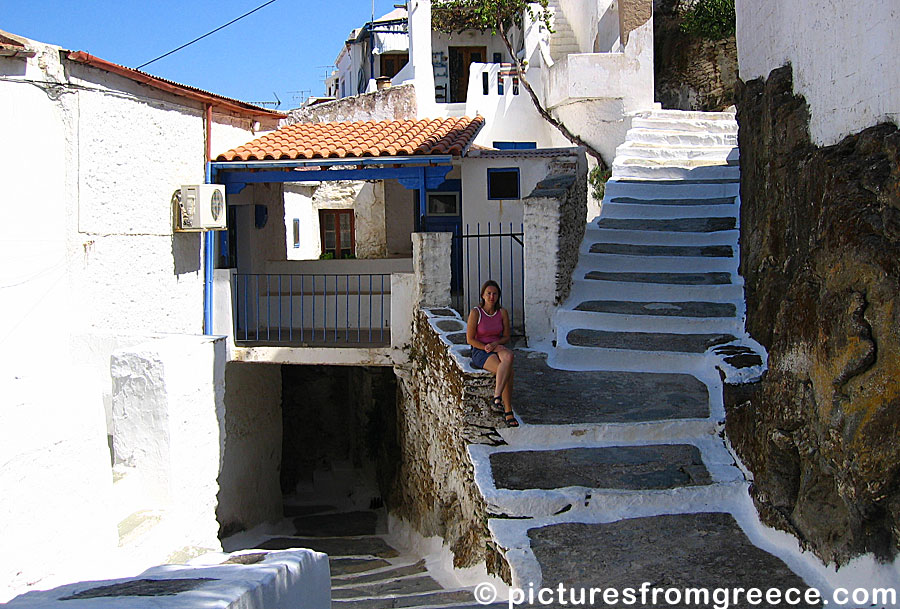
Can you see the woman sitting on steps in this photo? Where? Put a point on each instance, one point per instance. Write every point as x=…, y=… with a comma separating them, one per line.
x=487, y=333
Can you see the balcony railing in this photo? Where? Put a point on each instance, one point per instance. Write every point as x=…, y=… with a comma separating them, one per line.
x=312, y=310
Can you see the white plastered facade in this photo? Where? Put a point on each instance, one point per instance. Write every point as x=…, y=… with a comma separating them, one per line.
x=844, y=57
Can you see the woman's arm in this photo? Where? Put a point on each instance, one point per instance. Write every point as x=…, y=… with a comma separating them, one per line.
x=472, y=329
x=506, y=328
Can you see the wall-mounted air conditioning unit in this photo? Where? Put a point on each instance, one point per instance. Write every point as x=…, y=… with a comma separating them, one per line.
x=199, y=207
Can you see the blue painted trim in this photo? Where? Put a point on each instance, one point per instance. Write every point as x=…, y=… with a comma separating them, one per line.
x=208, y=266
x=448, y=186
x=515, y=145
x=438, y=159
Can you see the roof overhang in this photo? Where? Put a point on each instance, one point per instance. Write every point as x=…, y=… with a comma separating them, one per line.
x=217, y=101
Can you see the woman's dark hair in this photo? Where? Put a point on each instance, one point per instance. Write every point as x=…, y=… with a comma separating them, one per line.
x=488, y=284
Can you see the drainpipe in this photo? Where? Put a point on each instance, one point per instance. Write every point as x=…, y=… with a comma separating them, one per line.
x=208, y=237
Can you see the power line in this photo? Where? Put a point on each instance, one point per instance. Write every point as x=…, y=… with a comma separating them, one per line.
x=221, y=27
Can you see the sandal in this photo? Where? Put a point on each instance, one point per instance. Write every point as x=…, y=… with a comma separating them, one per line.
x=497, y=404
x=510, y=419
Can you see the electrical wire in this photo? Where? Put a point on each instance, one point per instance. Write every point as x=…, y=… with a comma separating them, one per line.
x=221, y=27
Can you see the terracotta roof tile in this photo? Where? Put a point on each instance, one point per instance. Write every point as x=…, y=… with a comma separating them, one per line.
x=360, y=139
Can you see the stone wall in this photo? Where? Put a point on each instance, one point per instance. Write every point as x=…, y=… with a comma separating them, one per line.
x=820, y=254
x=554, y=221
x=389, y=104
x=442, y=408
x=691, y=73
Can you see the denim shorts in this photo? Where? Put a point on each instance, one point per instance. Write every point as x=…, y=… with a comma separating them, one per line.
x=479, y=357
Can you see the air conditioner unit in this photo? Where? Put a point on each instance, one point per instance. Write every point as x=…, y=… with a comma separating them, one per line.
x=199, y=207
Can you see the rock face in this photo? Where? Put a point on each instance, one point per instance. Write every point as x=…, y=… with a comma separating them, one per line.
x=690, y=73
x=820, y=235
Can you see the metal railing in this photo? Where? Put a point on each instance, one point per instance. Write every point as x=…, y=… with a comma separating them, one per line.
x=322, y=309
x=498, y=255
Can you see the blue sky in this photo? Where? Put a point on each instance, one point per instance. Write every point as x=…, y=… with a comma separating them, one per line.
x=278, y=49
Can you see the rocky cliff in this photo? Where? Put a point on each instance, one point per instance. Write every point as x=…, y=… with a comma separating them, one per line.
x=820, y=253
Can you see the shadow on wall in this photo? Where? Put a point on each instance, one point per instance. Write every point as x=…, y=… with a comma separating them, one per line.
x=186, y=252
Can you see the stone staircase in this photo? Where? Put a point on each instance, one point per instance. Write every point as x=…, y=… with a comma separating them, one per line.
x=619, y=474
x=367, y=570
x=562, y=40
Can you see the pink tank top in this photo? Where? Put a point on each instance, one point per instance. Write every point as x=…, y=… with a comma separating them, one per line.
x=490, y=327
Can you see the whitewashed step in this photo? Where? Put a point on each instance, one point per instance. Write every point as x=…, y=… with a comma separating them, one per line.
x=687, y=114
x=681, y=138
x=593, y=289
x=694, y=125
x=675, y=189
x=638, y=237
x=654, y=264
x=625, y=170
x=643, y=210
x=644, y=150
x=570, y=318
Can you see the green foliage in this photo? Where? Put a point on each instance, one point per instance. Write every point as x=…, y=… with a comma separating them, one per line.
x=326, y=256
x=597, y=179
x=710, y=19
x=453, y=16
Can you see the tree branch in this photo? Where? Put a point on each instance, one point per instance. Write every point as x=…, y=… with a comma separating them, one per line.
x=520, y=70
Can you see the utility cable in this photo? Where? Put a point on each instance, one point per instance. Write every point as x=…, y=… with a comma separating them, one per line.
x=221, y=27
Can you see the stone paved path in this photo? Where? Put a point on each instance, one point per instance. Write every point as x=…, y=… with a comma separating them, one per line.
x=618, y=474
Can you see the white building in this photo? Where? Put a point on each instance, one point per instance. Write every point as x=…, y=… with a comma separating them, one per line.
x=592, y=72
x=93, y=269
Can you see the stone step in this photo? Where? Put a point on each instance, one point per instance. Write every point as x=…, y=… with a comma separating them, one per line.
x=381, y=575
x=338, y=524
x=292, y=511
x=696, y=201
x=617, y=467
x=696, y=550
x=679, y=225
x=335, y=546
x=603, y=397
x=624, y=170
x=624, y=360
x=346, y=566
x=693, y=309
x=697, y=125
x=430, y=599
x=405, y=585
x=681, y=138
x=593, y=234
x=646, y=341
x=707, y=251
x=693, y=279
x=671, y=189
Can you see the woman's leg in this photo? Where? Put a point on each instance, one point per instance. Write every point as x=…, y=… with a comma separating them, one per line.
x=501, y=364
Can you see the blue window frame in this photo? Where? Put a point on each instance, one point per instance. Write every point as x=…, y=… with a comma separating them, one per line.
x=515, y=145
x=503, y=183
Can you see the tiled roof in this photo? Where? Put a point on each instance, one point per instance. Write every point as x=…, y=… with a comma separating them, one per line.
x=360, y=139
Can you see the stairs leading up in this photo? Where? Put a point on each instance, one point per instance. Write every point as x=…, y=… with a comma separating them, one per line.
x=618, y=474
x=562, y=40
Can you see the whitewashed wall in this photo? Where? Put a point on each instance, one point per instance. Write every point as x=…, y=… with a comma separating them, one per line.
x=595, y=24
x=298, y=205
x=844, y=56
x=476, y=206
x=91, y=266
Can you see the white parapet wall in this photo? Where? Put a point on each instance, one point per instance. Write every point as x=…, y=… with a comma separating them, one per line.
x=169, y=428
x=843, y=54
x=299, y=579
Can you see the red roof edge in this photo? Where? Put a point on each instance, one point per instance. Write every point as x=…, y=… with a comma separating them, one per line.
x=169, y=86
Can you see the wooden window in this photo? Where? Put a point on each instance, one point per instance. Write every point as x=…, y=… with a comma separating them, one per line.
x=391, y=64
x=337, y=231
x=459, y=59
